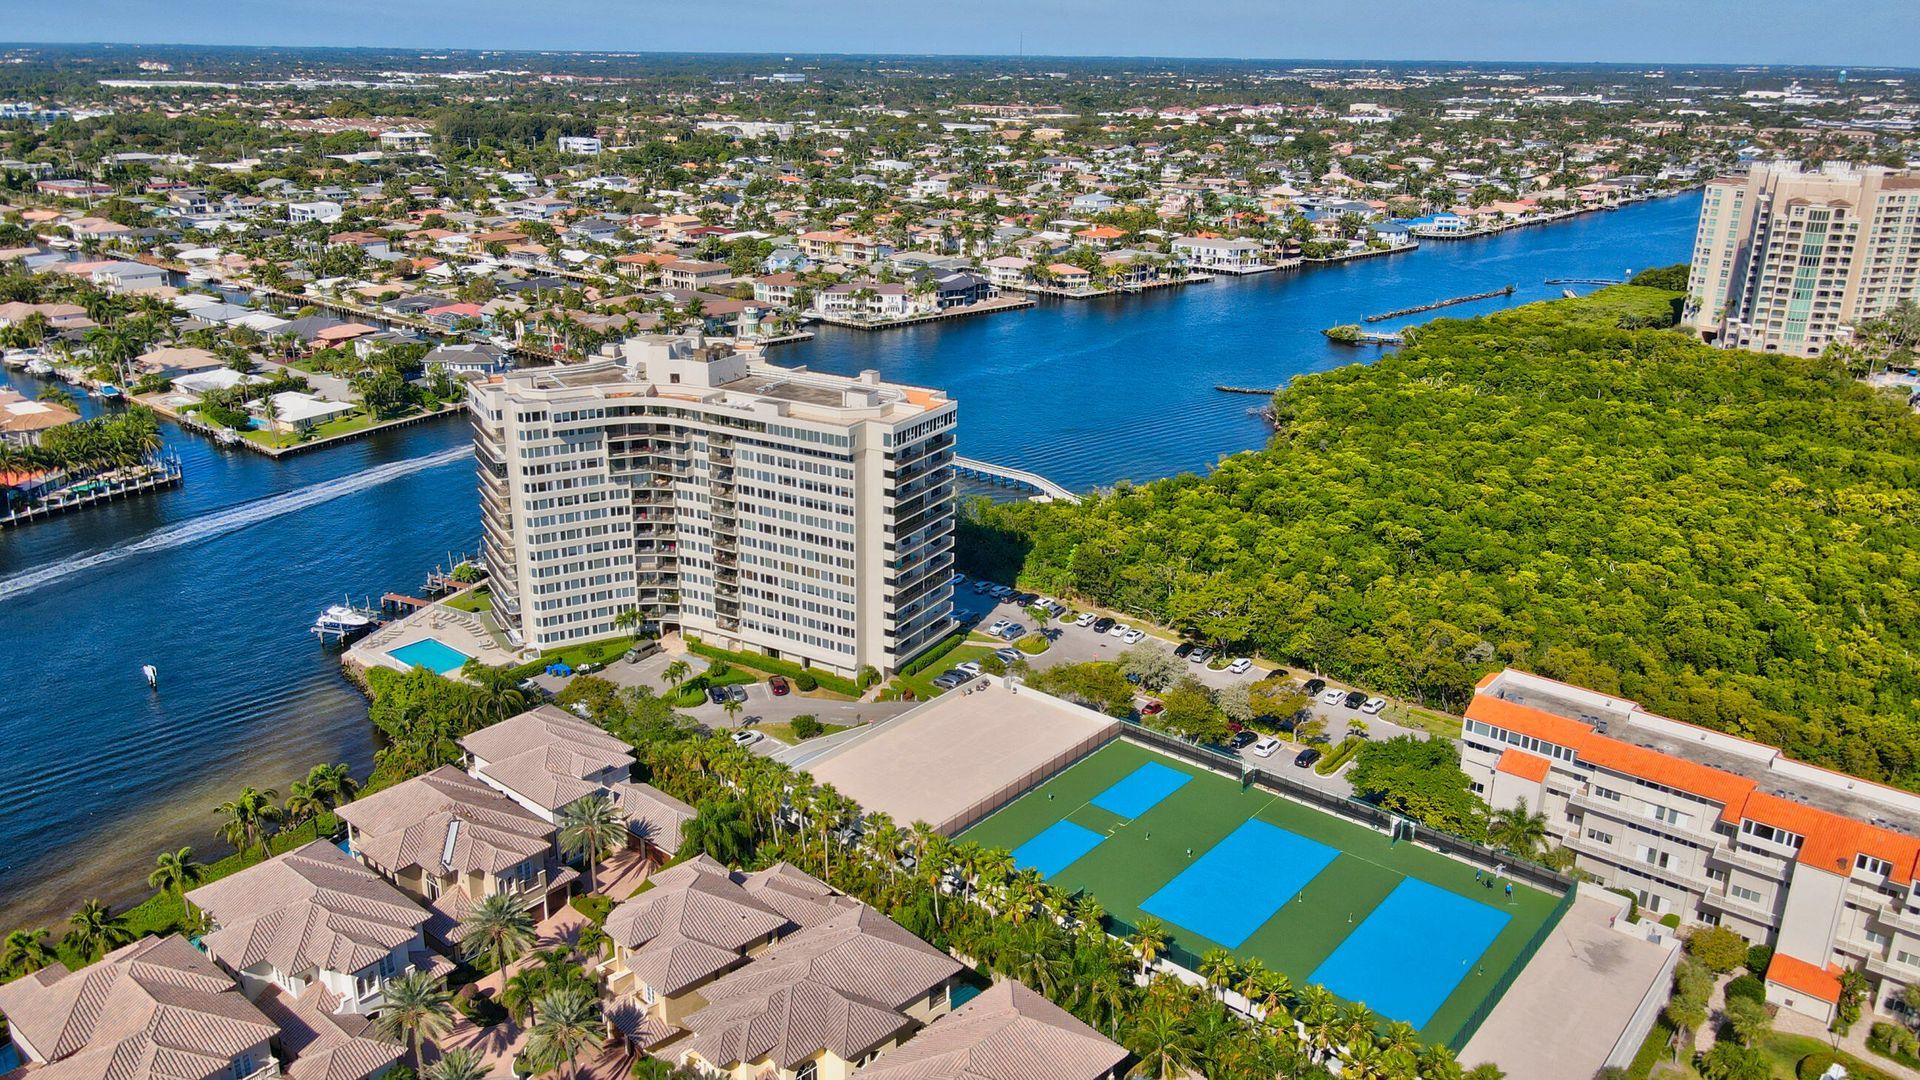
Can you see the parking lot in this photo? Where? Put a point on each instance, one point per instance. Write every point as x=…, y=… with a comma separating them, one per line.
x=1072, y=644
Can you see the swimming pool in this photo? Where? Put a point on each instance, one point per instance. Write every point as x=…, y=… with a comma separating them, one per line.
x=430, y=653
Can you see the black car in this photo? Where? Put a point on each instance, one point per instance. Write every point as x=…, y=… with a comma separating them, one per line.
x=1102, y=624
x=1242, y=739
x=1307, y=757
x=1284, y=724
x=1183, y=651
x=1314, y=686
x=717, y=694
x=1354, y=699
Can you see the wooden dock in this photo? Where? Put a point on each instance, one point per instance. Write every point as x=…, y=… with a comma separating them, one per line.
x=1438, y=304
x=167, y=475
x=984, y=307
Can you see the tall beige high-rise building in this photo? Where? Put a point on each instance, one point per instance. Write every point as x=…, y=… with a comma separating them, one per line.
x=767, y=509
x=1788, y=260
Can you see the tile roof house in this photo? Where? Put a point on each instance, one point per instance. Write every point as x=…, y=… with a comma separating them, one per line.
x=155, y=1008
x=830, y=998
x=1008, y=1032
x=315, y=917
x=546, y=758
x=448, y=840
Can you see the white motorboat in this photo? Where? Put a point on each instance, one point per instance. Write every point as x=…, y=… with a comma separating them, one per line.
x=39, y=365
x=344, y=622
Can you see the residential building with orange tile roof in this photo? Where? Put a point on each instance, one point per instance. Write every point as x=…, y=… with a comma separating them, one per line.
x=1714, y=828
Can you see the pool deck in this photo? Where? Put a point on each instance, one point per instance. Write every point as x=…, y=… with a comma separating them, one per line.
x=461, y=630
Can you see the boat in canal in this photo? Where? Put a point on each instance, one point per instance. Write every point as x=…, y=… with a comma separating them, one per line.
x=342, y=623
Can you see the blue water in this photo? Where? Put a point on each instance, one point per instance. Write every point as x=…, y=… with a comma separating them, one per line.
x=430, y=653
x=217, y=585
x=1141, y=790
x=1411, y=952
x=1238, y=884
x=1059, y=846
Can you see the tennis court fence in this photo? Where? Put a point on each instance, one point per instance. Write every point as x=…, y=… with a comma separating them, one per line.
x=1520, y=961
x=986, y=807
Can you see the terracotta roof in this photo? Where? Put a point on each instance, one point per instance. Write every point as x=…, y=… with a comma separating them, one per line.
x=545, y=755
x=694, y=923
x=1796, y=974
x=155, y=1008
x=313, y=908
x=653, y=815
x=448, y=821
x=1524, y=765
x=1008, y=1032
x=325, y=1044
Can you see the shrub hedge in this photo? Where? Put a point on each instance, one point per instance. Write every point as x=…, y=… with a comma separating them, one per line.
x=772, y=666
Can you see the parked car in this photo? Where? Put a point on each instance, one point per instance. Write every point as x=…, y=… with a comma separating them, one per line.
x=982, y=586
x=1354, y=699
x=1152, y=708
x=998, y=625
x=1373, y=706
x=1132, y=637
x=746, y=738
x=737, y=693
x=1240, y=666
x=1087, y=618
x=971, y=667
x=1242, y=739
x=1307, y=757
x=778, y=684
x=1266, y=747
x=1010, y=631
x=717, y=695
x=950, y=678
x=1102, y=624
x=1314, y=686
x=1185, y=650
x=1010, y=655
x=1332, y=697
x=1200, y=655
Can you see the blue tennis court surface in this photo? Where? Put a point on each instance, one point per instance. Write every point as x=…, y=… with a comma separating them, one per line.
x=1055, y=849
x=1411, y=952
x=1141, y=790
x=1232, y=890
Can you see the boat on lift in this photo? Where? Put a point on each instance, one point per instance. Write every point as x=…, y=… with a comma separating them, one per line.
x=344, y=622
x=39, y=365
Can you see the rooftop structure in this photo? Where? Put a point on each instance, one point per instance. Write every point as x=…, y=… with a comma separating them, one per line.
x=1008, y=1032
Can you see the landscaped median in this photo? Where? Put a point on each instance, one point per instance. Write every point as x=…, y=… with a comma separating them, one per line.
x=801, y=676
x=1333, y=762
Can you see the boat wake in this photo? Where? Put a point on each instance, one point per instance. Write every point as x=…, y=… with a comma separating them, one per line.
x=231, y=519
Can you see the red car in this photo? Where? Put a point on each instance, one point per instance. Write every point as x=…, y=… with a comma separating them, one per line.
x=1152, y=708
x=778, y=684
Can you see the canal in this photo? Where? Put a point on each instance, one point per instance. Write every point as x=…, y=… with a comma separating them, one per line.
x=216, y=583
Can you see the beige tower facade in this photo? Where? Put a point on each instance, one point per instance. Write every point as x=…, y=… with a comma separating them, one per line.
x=1788, y=260
x=766, y=509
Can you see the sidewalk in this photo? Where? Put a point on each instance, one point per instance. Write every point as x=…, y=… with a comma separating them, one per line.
x=1854, y=1042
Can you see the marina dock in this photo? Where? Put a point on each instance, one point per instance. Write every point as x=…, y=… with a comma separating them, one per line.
x=1438, y=304
x=165, y=474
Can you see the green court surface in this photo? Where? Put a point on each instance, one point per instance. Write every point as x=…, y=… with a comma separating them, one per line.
x=1137, y=858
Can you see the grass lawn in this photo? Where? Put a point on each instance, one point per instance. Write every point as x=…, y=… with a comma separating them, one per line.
x=477, y=598
x=1301, y=929
x=1033, y=644
x=1787, y=1050
x=1434, y=723
x=603, y=651
x=921, y=682
x=783, y=731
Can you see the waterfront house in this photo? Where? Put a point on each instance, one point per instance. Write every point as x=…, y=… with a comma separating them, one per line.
x=546, y=759
x=1009, y=271
x=24, y=421
x=296, y=410
x=777, y=288
x=684, y=274
x=153, y=1008
x=469, y=358
x=170, y=362
x=864, y=300
x=1069, y=276
x=315, y=921
x=1219, y=253
x=1007, y=1032
x=448, y=840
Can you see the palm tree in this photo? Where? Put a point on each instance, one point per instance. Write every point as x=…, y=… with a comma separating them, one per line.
x=1165, y=1047
x=1518, y=830
x=418, y=1007
x=333, y=785
x=592, y=828
x=1148, y=942
x=1032, y=954
x=97, y=930
x=176, y=872
x=1219, y=969
x=720, y=830
x=304, y=804
x=732, y=708
x=673, y=673
x=565, y=1022
x=24, y=952
x=460, y=1063
x=498, y=930
x=250, y=819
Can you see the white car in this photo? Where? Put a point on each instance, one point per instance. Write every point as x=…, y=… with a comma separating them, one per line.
x=1240, y=666
x=970, y=667
x=998, y=625
x=1374, y=705
x=1086, y=619
x=1133, y=636
x=1120, y=630
x=1332, y=697
x=746, y=738
x=1266, y=746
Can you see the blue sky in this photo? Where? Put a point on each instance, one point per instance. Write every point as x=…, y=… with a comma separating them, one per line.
x=1872, y=32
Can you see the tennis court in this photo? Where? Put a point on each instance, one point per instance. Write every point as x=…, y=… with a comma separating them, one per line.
x=1413, y=934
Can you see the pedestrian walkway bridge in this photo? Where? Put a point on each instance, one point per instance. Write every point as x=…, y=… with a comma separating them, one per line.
x=1019, y=478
